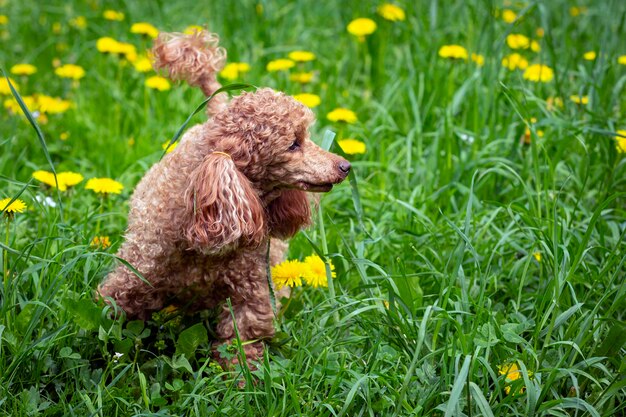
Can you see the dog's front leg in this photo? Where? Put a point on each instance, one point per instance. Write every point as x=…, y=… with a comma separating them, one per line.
x=246, y=276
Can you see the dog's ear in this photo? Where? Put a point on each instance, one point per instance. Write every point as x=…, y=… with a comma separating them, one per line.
x=222, y=208
x=288, y=213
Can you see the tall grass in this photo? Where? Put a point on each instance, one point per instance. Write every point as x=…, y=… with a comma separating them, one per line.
x=458, y=248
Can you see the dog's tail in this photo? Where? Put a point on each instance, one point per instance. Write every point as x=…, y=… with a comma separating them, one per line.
x=194, y=58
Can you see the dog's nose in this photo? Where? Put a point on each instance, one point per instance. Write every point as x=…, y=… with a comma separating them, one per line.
x=344, y=166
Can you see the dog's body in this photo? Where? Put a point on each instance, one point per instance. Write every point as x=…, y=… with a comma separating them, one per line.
x=201, y=220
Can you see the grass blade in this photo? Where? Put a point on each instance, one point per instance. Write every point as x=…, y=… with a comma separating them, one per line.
x=40, y=136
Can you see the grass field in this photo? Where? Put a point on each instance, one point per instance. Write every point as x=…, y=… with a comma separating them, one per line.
x=479, y=243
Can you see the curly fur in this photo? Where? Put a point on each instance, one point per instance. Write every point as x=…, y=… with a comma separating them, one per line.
x=195, y=58
x=201, y=219
x=222, y=207
x=288, y=212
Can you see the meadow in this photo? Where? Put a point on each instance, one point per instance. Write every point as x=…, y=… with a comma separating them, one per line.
x=478, y=244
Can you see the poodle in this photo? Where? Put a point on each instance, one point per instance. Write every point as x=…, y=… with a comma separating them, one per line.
x=203, y=219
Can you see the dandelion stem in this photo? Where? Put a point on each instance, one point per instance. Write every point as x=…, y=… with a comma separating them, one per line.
x=100, y=213
x=5, y=259
x=285, y=307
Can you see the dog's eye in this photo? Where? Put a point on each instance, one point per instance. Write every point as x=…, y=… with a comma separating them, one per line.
x=295, y=145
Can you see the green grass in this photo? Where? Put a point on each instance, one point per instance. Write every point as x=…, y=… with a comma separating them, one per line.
x=433, y=238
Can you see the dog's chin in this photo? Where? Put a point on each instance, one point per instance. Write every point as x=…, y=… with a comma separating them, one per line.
x=314, y=188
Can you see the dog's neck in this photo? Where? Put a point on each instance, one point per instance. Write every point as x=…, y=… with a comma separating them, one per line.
x=267, y=196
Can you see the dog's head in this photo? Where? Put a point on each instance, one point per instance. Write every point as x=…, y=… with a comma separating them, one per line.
x=255, y=178
x=266, y=132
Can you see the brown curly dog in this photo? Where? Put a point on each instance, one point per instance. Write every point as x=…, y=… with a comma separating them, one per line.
x=201, y=219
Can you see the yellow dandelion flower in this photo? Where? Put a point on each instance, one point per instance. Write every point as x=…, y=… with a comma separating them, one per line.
x=302, y=77
x=288, y=274
x=52, y=105
x=79, y=22
x=309, y=100
x=280, y=65
x=64, y=136
x=621, y=141
x=527, y=135
x=191, y=29
x=158, y=83
x=589, y=56
x=100, y=242
x=234, y=70
x=351, y=146
x=478, y=59
x=514, y=61
x=540, y=32
x=342, y=115
x=621, y=59
x=230, y=72
x=539, y=73
x=4, y=86
x=517, y=41
x=47, y=178
x=17, y=206
x=74, y=72
x=3, y=20
x=361, y=27
x=453, y=52
x=167, y=147
x=512, y=373
x=243, y=67
x=509, y=15
x=534, y=46
x=23, y=69
x=391, y=12
x=301, y=56
x=128, y=50
x=142, y=64
x=143, y=28
x=315, y=273
x=104, y=186
x=107, y=45
x=69, y=179
x=579, y=99
x=113, y=15
x=537, y=256
x=12, y=105
x=577, y=11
